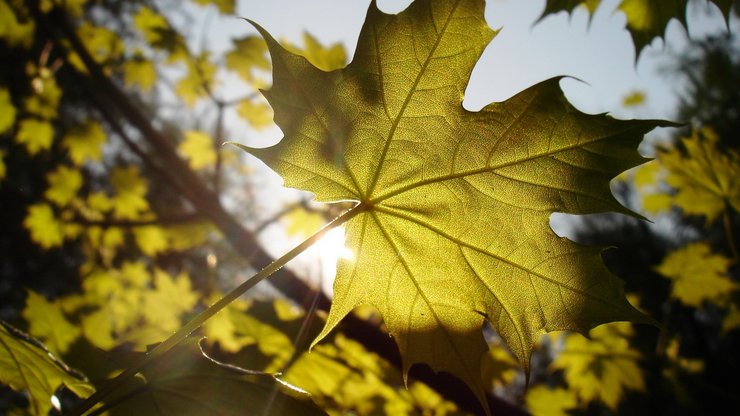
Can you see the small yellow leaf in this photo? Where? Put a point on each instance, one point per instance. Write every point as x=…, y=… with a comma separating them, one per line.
x=698, y=275
x=35, y=135
x=129, y=201
x=543, y=401
x=603, y=367
x=48, y=323
x=705, y=178
x=7, y=110
x=64, y=182
x=13, y=32
x=44, y=227
x=151, y=239
x=300, y=222
x=170, y=299
x=185, y=236
x=198, y=149
x=102, y=43
x=498, y=367
x=139, y=72
x=198, y=79
x=158, y=33
x=257, y=114
x=634, y=99
x=223, y=6
x=85, y=142
x=249, y=53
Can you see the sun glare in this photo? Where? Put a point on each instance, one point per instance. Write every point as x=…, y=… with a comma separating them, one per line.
x=329, y=250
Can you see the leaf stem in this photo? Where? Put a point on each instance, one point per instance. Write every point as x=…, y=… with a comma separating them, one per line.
x=174, y=339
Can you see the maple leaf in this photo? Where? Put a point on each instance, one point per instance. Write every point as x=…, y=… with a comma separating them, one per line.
x=26, y=365
x=705, y=178
x=542, y=401
x=48, y=323
x=249, y=53
x=64, y=182
x=36, y=135
x=698, y=275
x=84, y=142
x=452, y=222
x=45, y=228
x=198, y=150
x=131, y=188
x=602, y=367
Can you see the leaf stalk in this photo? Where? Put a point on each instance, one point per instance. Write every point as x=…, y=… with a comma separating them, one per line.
x=113, y=384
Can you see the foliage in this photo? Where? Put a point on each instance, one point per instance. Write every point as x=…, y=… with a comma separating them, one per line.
x=113, y=181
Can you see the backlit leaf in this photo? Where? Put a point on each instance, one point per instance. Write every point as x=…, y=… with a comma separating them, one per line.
x=85, y=142
x=197, y=80
x=249, y=53
x=139, y=72
x=45, y=228
x=129, y=200
x=48, y=323
x=198, y=149
x=322, y=57
x=452, y=225
x=543, y=401
x=25, y=365
x=186, y=382
x=64, y=182
x=151, y=239
x=35, y=135
x=698, y=275
x=705, y=178
x=602, y=367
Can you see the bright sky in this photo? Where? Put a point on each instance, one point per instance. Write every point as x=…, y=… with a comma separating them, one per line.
x=599, y=53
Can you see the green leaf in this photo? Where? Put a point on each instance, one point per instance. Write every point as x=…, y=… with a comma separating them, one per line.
x=47, y=322
x=26, y=365
x=186, y=381
x=452, y=225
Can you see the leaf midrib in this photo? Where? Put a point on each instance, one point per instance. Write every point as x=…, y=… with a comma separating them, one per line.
x=395, y=122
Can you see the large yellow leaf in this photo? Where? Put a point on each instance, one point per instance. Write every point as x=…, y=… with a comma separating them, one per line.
x=698, y=275
x=452, y=223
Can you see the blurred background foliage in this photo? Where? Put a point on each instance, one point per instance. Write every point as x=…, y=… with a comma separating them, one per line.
x=116, y=228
